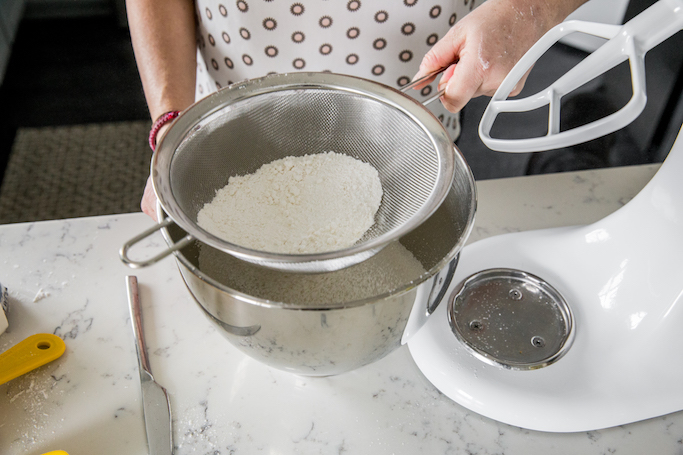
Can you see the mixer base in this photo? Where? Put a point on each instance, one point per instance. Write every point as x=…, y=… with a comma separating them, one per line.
x=623, y=279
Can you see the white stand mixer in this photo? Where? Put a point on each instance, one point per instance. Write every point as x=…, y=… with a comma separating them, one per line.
x=580, y=328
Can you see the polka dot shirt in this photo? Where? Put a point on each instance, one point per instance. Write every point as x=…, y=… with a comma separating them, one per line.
x=384, y=41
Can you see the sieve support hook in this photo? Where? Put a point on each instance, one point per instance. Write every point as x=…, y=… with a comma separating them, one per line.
x=123, y=252
x=416, y=82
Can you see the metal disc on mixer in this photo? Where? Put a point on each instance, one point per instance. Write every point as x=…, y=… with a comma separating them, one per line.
x=511, y=319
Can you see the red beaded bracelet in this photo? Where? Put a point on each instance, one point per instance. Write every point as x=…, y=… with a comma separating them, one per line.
x=161, y=121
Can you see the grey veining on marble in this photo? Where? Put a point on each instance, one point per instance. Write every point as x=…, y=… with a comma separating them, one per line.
x=65, y=277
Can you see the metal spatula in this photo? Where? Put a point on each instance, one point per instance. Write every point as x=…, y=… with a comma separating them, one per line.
x=155, y=402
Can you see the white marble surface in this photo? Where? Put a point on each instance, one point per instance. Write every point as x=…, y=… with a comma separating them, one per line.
x=64, y=277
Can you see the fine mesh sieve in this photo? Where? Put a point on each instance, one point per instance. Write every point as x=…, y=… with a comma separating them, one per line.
x=237, y=130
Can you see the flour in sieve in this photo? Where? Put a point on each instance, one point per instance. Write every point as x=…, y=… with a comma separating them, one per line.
x=297, y=205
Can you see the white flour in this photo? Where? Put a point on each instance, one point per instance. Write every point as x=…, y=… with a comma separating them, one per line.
x=297, y=205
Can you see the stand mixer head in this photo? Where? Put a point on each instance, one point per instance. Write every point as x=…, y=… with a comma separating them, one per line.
x=621, y=279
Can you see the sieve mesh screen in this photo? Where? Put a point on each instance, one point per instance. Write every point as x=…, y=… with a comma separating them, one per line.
x=240, y=139
x=237, y=130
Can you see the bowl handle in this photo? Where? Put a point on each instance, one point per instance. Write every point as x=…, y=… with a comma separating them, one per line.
x=123, y=252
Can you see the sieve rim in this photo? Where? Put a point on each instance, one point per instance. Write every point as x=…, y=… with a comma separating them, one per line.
x=188, y=121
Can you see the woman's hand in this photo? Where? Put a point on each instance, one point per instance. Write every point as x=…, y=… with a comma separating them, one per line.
x=148, y=204
x=482, y=48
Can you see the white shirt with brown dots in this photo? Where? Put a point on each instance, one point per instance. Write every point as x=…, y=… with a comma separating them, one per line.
x=380, y=40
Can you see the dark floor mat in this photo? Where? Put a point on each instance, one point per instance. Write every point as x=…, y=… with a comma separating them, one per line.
x=75, y=171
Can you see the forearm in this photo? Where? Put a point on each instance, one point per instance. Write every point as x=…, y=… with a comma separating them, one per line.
x=163, y=37
x=547, y=12
x=520, y=23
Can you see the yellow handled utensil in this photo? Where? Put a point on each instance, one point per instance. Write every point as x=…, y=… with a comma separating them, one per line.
x=27, y=355
x=56, y=452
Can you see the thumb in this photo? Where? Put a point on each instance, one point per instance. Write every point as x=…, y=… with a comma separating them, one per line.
x=464, y=84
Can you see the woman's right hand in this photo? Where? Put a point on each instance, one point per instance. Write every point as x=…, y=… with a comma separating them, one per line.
x=149, y=200
x=148, y=204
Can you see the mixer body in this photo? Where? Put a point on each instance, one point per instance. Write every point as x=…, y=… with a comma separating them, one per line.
x=621, y=277
x=623, y=280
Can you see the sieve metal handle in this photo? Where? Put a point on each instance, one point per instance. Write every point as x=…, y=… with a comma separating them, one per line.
x=416, y=82
x=123, y=252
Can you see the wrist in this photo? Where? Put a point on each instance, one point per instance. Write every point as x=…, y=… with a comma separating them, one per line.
x=160, y=123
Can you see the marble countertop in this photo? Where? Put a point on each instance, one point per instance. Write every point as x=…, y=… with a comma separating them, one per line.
x=65, y=277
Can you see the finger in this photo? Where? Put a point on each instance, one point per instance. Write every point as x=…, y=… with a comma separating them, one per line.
x=516, y=90
x=430, y=77
x=149, y=199
x=520, y=84
x=462, y=86
x=148, y=210
x=446, y=76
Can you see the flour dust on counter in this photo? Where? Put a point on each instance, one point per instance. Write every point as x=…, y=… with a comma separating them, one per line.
x=36, y=393
x=297, y=205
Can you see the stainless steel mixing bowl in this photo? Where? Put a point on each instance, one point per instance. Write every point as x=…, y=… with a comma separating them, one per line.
x=329, y=338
